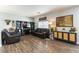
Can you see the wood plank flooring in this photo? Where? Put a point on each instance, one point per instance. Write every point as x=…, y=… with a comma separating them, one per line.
x=32, y=44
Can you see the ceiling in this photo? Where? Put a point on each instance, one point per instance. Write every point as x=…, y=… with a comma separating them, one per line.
x=30, y=10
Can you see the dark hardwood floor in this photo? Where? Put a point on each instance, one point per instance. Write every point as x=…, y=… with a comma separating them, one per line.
x=32, y=44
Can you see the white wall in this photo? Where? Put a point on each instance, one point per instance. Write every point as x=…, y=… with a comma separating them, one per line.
x=71, y=11
x=4, y=16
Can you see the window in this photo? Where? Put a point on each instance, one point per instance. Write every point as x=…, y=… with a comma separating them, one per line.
x=43, y=24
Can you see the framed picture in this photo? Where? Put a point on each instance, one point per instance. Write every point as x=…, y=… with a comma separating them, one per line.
x=64, y=21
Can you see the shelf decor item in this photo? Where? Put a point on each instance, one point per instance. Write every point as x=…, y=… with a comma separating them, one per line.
x=73, y=29
x=13, y=24
x=42, y=18
x=7, y=21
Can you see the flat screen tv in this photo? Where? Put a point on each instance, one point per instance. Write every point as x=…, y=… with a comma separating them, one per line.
x=64, y=21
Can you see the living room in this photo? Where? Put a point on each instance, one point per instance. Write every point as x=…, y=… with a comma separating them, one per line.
x=38, y=28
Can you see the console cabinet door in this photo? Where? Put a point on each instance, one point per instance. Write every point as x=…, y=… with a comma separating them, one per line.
x=65, y=36
x=60, y=35
x=72, y=37
x=55, y=34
